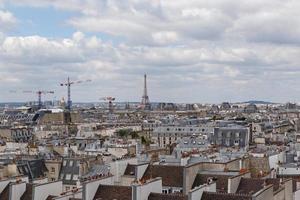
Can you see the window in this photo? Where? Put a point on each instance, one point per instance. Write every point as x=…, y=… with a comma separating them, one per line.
x=68, y=176
x=52, y=169
x=65, y=163
x=61, y=176
x=75, y=177
x=67, y=188
x=71, y=163
x=165, y=191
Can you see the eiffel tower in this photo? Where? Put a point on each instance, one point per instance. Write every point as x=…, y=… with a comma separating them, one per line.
x=145, y=104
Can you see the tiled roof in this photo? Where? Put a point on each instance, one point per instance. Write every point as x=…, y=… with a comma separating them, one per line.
x=224, y=196
x=275, y=182
x=113, y=192
x=221, y=181
x=161, y=196
x=253, y=185
x=250, y=185
x=171, y=175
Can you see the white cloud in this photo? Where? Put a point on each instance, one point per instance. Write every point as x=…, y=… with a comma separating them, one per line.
x=7, y=20
x=206, y=50
x=165, y=37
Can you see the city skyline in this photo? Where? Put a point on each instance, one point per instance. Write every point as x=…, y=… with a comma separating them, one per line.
x=194, y=51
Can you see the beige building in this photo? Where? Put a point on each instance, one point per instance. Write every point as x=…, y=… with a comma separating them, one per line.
x=53, y=167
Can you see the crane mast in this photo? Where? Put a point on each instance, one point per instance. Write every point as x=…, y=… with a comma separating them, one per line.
x=68, y=84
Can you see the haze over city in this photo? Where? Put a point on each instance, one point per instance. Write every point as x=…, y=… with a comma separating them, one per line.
x=192, y=51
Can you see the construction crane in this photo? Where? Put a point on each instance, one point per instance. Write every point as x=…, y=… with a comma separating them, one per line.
x=68, y=84
x=110, y=103
x=39, y=93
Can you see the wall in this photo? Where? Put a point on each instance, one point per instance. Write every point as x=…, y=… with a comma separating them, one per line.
x=233, y=182
x=191, y=171
x=279, y=195
x=288, y=170
x=288, y=189
x=141, y=192
x=127, y=180
x=189, y=174
x=90, y=188
x=3, y=183
x=141, y=170
x=56, y=165
x=273, y=160
x=16, y=190
x=265, y=193
x=197, y=192
x=117, y=168
x=42, y=191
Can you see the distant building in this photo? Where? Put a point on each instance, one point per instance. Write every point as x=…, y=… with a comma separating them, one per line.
x=167, y=135
x=225, y=106
x=21, y=134
x=235, y=136
x=251, y=108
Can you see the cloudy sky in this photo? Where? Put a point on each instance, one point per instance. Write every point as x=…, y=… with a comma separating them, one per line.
x=192, y=51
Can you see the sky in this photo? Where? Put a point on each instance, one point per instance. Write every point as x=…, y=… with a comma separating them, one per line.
x=192, y=51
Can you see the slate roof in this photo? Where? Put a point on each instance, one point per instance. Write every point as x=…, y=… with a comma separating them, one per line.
x=161, y=196
x=97, y=170
x=224, y=196
x=113, y=192
x=172, y=176
x=130, y=170
x=70, y=166
x=32, y=168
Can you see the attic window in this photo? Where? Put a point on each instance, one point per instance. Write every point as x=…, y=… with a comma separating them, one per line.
x=75, y=177
x=68, y=176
